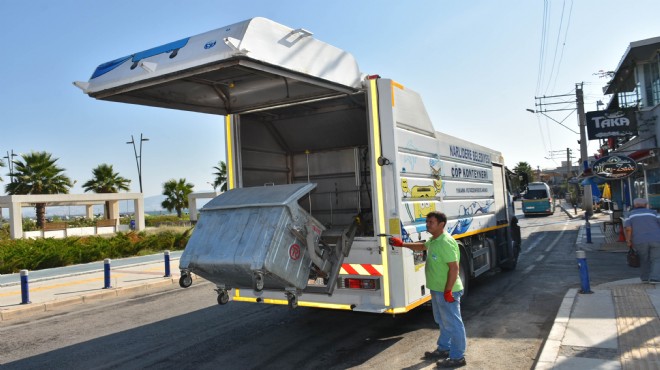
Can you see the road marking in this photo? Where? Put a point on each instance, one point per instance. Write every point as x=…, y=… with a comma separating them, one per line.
x=533, y=245
x=552, y=245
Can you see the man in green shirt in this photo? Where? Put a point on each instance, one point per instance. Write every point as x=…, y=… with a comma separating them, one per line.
x=444, y=282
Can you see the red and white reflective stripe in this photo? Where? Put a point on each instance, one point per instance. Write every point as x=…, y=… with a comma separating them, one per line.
x=361, y=269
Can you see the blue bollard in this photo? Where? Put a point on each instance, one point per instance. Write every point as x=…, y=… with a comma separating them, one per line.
x=167, y=264
x=25, y=289
x=584, y=272
x=587, y=226
x=106, y=274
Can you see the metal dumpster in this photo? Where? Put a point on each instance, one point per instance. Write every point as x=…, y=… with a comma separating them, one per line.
x=257, y=238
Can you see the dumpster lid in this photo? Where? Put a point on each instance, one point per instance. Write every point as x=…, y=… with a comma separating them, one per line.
x=259, y=196
x=251, y=65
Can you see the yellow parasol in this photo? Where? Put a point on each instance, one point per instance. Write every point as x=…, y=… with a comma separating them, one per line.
x=607, y=193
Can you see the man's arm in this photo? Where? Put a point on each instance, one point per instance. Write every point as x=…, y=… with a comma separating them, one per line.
x=452, y=275
x=628, y=233
x=397, y=242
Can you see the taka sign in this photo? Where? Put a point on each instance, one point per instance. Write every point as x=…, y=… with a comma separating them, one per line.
x=608, y=123
x=614, y=167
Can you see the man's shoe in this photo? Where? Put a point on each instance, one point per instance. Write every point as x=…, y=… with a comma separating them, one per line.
x=452, y=362
x=436, y=354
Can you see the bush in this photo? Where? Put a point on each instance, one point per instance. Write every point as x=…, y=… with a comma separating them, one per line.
x=36, y=254
x=29, y=224
x=164, y=219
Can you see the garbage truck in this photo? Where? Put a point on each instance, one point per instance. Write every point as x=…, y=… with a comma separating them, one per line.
x=324, y=163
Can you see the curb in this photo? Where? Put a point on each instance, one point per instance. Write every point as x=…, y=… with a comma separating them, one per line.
x=552, y=344
x=100, y=270
x=571, y=216
x=23, y=311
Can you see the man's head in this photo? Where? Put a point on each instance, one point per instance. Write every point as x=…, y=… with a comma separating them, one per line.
x=435, y=222
x=640, y=203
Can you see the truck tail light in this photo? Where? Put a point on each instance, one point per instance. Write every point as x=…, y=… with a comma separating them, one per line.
x=359, y=283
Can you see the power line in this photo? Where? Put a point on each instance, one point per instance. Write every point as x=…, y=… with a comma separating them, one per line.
x=554, y=57
x=539, y=77
x=563, y=46
x=538, y=119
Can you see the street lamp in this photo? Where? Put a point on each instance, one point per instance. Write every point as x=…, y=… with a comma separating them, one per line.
x=543, y=113
x=10, y=164
x=138, y=157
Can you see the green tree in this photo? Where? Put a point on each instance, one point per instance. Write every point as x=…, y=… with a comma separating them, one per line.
x=524, y=171
x=177, y=195
x=220, y=176
x=105, y=180
x=2, y=164
x=37, y=173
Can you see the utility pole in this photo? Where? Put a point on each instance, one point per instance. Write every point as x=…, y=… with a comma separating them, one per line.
x=568, y=166
x=587, y=201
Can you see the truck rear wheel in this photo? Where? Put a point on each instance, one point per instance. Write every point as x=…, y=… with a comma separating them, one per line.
x=512, y=263
x=462, y=273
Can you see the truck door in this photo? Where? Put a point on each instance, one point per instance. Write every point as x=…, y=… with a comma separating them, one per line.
x=243, y=67
x=501, y=196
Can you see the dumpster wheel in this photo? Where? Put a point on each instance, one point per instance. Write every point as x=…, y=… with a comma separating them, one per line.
x=258, y=282
x=185, y=280
x=293, y=300
x=223, y=297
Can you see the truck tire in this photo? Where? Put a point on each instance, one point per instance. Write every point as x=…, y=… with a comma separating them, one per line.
x=512, y=263
x=463, y=274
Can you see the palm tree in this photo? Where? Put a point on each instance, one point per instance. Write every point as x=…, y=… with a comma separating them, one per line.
x=177, y=195
x=105, y=180
x=220, y=176
x=2, y=164
x=37, y=173
x=524, y=172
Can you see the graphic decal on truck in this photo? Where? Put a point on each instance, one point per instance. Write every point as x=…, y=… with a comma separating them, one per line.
x=463, y=224
x=421, y=209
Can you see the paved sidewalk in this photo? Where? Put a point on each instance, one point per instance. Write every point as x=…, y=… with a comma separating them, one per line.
x=65, y=286
x=615, y=327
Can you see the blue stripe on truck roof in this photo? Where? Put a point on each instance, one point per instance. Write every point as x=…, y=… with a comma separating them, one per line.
x=109, y=66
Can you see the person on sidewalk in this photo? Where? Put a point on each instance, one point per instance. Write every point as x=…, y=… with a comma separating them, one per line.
x=642, y=231
x=444, y=282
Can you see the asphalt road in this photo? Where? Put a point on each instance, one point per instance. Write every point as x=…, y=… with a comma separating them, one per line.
x=507, y=317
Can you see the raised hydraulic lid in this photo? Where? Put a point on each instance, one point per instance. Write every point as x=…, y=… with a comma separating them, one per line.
x=251, y=65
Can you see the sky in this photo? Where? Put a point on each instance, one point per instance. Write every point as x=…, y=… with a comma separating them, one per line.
x=478, y=65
